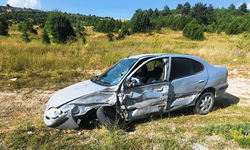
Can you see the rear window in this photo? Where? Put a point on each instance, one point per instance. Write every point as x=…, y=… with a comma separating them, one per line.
x=197, y=67
x=183, y=67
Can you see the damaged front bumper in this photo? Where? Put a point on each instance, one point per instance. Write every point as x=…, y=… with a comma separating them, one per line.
x=69, y=119
x=63, y=121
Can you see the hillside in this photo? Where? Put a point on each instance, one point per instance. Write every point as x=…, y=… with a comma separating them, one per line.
x=30, y=72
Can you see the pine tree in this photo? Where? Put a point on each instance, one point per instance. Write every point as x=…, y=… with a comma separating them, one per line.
x=3, y=26
x=155, y=13
x=179, y=7
x=25, y=37
x=150, y=12
x=186, y=8
x=202, y=13
x=140, y=22
x=193, y=31
x=243, y=7
x=183, y=21
x=233, y=27
x=232, y=7
x=166, y=11
x=45, y=37
x=59, y=26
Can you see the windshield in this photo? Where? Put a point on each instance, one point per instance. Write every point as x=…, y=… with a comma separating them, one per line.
x=113, y=75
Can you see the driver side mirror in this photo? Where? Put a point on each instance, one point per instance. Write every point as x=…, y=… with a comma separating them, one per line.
x=133, y=82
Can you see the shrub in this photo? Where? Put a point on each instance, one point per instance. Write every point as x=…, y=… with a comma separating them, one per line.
x=183, y=21
x=219, y=31
x=233, y=28
x=26, y=25
x=120, y=35
x=84, y=41
x=110, y=36
x=193, y=31
x=59, y=26
x=3, y=26
x=45, y=37
x=34, y=31
x=25, y=37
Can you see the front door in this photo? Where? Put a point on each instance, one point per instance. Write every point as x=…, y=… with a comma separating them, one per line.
x=149, y=90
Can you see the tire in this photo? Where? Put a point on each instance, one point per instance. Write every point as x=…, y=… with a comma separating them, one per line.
x=205, y=103
x=109, y=117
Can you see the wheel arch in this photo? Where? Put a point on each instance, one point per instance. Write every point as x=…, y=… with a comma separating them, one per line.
x=209, y=89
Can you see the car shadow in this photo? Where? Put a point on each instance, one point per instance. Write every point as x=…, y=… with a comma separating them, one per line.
x=222, y=101
x=225, y=100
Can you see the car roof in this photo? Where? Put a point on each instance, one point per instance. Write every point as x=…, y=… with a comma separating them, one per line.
x=158, y=54
x=142, y=56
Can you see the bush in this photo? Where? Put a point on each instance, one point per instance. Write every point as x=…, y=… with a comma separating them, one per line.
x=3, y=26
x=45, y=37
x=120, y=35
x=183, y=21
x=84, y=41
x=26, y=25
x=34, y=31
x=219, y=31
x=233, y=28
x=25, y=37
x=110, y=36
x=193, y=31
x=59, y=26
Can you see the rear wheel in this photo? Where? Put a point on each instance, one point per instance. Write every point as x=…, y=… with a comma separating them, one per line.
x=109, y=117
x=205, y=103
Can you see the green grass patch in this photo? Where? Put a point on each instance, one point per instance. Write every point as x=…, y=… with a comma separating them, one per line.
x=239, y=132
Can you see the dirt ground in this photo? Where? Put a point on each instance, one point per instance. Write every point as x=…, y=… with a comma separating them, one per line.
x=25, y=100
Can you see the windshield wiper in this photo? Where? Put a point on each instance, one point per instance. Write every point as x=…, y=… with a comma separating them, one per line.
x=97, y=78
x=104, y=81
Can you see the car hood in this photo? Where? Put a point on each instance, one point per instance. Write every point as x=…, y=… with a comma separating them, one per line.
x=73, y=92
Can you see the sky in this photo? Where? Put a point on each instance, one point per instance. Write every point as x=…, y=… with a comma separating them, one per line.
x=112, y=8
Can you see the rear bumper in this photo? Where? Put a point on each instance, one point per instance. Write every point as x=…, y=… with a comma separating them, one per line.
x=221, y=89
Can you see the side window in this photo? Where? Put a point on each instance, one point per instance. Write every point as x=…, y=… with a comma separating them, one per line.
x=152, y=65
x=149, y=73
x=197, y=67
x=181, y=67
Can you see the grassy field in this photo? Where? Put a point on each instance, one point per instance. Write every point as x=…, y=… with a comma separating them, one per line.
x=54, y=64
x=34, y=66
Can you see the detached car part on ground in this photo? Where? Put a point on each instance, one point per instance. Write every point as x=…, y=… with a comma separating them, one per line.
x=137, y=87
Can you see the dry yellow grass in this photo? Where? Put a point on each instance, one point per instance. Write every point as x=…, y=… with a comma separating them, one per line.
x=55, y=66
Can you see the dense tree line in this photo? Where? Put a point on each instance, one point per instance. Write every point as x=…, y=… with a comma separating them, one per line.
x=108, y=25
x=207, y=19
x=199, y=19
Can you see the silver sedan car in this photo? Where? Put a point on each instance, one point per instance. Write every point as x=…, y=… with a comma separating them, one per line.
x=137, y=87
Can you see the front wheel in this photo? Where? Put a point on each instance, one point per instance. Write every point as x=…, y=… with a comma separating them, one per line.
x=109, y=117
x=205, y=103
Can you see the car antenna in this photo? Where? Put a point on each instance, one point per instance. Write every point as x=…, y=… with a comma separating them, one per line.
x=137, y=46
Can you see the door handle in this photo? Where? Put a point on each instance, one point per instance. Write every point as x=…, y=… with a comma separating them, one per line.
x=201, y=81
x=159, y=90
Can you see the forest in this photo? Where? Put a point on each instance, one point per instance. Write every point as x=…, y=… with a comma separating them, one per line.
x=193, y=21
